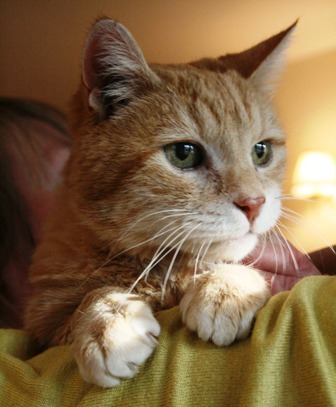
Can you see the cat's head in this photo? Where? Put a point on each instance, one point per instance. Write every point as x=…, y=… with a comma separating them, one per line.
x=189, y=156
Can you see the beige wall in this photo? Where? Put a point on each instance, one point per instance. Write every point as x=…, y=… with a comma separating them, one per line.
x=40, y=56
x=307, y=104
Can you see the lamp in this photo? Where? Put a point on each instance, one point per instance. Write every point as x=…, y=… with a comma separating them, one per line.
x=314, y=175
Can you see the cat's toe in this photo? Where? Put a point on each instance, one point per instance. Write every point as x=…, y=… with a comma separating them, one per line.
x=112, y=346
x=220, y=306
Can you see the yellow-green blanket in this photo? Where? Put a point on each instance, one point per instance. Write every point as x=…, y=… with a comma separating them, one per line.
x=290, y=360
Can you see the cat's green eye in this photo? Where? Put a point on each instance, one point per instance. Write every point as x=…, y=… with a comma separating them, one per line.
x=184, y=155
x=261, y=153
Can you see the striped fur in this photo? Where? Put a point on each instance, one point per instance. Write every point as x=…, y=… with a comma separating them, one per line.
x=133, y=234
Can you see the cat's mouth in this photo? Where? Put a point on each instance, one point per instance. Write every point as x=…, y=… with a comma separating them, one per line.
x=232, y=249
x=237, y=238
x=240, y=238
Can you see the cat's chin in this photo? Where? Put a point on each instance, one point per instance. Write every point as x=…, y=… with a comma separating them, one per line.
x=233, y=250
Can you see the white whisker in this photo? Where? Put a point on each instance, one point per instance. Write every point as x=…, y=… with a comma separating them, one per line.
x=156, y=258
x=197, y=259
x=282, y=250
x=272, y=232
x=174, y=258
x=289, y=197
x=206, y=251
x=289, y=248
x=160, y=233
x=260, y=254
x=173, y=212
x=297, y=219
x=295, y=240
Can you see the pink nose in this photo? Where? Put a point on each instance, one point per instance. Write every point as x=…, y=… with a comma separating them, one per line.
x=250, y=206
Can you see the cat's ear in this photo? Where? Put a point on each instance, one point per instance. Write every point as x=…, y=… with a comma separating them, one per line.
x=114, y=67
x=264, y=62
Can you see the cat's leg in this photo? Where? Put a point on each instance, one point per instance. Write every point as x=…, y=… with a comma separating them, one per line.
x=112, y=334
x=220, y=305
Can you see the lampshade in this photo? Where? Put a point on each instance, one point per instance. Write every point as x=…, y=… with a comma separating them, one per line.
x=314, y=175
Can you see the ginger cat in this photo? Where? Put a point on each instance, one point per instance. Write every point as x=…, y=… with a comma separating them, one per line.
x=174, y=175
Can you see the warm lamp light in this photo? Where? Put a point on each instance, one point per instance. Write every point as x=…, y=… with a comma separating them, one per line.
x=314, y=175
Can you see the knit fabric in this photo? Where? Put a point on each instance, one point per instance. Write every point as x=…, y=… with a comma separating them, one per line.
x=289, y=360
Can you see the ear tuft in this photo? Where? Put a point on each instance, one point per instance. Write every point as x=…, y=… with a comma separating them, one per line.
x=272, y=60
x=261, y=63
x=113, y=66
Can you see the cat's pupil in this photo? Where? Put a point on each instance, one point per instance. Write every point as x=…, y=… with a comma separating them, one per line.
x=262, y=153
x=260, y=149
x=184, y=155
x=182, y=151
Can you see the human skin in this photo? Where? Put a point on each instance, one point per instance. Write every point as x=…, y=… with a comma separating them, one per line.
x=283, y=265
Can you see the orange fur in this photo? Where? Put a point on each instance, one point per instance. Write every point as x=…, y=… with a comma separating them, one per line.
x=129, y=219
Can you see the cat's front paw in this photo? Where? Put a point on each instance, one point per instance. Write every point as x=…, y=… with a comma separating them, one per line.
x=113, y=337
x=220, y=305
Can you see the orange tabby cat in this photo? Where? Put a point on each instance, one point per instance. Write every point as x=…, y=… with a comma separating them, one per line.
x=175, y=172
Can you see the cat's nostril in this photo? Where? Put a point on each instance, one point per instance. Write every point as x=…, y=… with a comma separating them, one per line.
x=250, y=206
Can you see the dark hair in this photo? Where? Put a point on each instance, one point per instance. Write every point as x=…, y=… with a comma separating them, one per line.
x=16, y=237
x=13, y=216
x=12, y=109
